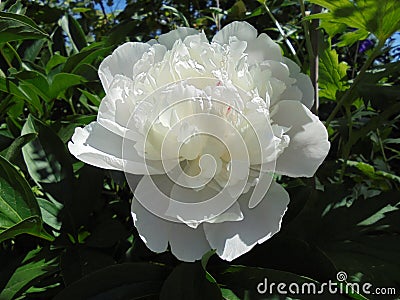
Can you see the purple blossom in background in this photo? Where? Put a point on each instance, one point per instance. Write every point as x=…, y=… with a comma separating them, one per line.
x=365, y=45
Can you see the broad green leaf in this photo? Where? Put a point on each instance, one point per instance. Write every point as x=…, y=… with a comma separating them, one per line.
x=36, y=82
x=36, y=265
x=189, y=281
x=19, y=211
x=331, y=73
x=46, y=157
x=87, y=56
x=18, y=27
x=50, y=212
x=257, y=12
x=332, y=28
x=238, y=10
x=229, y=295
x=92, y=98
x=376, y=73
x=349, y=38
x=6, y=139
x=123, y=281
x=17, y=145
x=74, y=32
x=10, y=55
x=6, y=85
x=370, y=171
x=32, y=52
x=54, y=61
x=63, y=81
x=381, y=18
x=32, y=98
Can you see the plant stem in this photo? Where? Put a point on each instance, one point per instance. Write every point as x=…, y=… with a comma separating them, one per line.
x=282, y=32
x=306, y=28
x=359, y=77
x=346, y=151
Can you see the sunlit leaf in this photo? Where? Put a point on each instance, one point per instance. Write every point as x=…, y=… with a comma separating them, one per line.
x=19, y=211
x=18, y=27
x=381, y=18
x=36, y=264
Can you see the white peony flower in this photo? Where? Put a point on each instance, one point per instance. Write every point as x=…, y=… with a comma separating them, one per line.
x=206, y=125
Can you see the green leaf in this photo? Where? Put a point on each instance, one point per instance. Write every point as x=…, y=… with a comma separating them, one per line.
x=92, y=98
x=370, y=171
x=74, y=32
x=15, y=27
x=6, y=85
x=32, y=52
x=349, y=38
x=63, y=81
x=381, y=18
x=19, y=211
x=17, y=145
x=177, y=14
x=189, y=281
x=87, y=56
x=229, y=295
x=36, y=82
x=50, y=212
x=331, y=73
x=123, y=281
x=6, y=139
x=46, y=157
x=36, y=265
x=54, y=61
x=331, y=27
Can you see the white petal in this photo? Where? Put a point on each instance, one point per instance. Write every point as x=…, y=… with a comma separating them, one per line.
x=263, y=48
x=121, y=62
x=169, y=201
x=187, y=244
x=97, y=146
x=169, y=39
x=233, y=239
x=152, y=229
x=243, y=31
x=308, y=144
x=117, y=106
x=303, y=82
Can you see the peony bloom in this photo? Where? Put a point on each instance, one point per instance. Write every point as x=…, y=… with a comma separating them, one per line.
x=206, y=125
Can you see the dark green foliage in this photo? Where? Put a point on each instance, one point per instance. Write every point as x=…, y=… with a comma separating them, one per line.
x=65, y=227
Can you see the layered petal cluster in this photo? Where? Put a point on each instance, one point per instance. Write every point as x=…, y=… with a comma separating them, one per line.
x=200, y=128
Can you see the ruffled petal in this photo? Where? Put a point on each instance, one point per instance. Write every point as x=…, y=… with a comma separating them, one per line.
x=233, y=239
x=263, y=48
x=117, y=106
x=169, y=201
x=308, y=144
x=169, y=39
x=97, y=146
x=243, y=31
x=303, y=83
x=121, y=62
